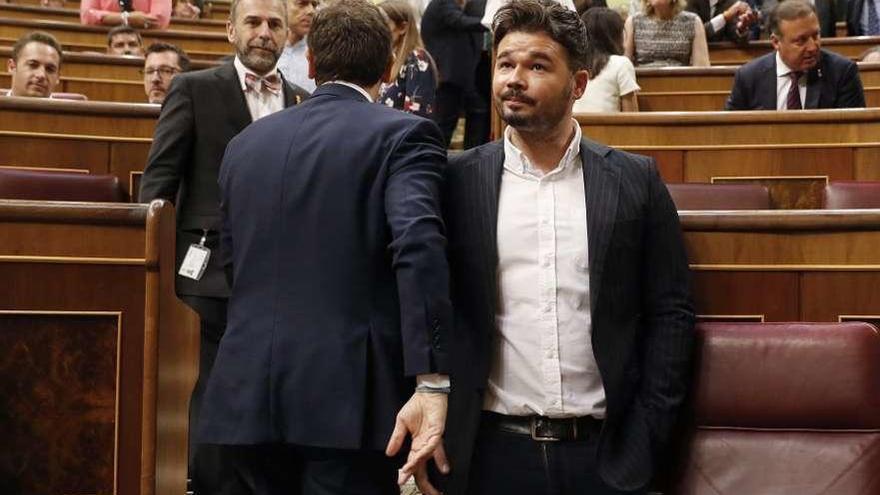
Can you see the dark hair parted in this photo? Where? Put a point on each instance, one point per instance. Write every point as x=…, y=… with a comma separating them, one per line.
x=350, y=41
x=789, y=10
x=35, y=37
x=182, y=57
x=604, y=37
x=122, y=29
x=547, y=16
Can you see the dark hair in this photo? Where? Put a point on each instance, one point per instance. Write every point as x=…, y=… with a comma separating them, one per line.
x=789, y=10
x=869, y=51
x=123, y=29
x=182, y=58
x=531, y=16
x=36, y=37
x=350, y=41
x=604, y=37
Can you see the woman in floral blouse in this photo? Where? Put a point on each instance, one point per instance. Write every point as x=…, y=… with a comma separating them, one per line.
x=413, y=90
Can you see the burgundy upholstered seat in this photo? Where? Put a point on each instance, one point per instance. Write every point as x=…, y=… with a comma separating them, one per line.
x=59, y=186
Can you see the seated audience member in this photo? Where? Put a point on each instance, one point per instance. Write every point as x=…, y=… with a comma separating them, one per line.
x=799, y=73
x=162, y=62
x=186, y=9
x=35, y=65
x=863, y=18
x=871, y=55
x=612, y=85
x=124, y=40
x=664, y=34
x=826, y=10
x=293, y=64
x=416, y=76
x=725, y=20
x=142, y=14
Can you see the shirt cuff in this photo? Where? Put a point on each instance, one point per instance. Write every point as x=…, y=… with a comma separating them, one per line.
x=433, y=380
x=718, y=23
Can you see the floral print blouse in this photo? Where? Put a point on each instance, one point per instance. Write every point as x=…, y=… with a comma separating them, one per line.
x=413, y=91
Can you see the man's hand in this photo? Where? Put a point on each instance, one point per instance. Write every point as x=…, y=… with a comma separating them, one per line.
x=423, y=417
x=737, y=9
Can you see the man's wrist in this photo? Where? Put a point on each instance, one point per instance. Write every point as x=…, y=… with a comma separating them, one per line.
x=124, y=16
x=433, y=383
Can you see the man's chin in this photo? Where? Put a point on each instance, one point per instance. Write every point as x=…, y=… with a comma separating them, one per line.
x=259, y=61
x=156, y=97
x=37, y=92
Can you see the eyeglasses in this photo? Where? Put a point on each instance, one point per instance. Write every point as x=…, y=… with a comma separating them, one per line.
x=163, y=71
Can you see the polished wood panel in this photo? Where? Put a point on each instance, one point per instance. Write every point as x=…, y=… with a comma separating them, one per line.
x=701, y=165
x=59, y=387
x=78, y=37
x=96, y=89
x=69, y=258
x=787, y=266
x=83, y=118
x=71, y=15
x=708, y=101
x=727, y=53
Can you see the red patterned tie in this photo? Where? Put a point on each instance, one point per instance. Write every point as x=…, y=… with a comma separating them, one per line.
x=794, y=93
x=271, y=83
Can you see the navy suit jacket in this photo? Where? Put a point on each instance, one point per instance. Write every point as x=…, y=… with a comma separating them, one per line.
x=833, y=83
x=340, y=287
x=642, y=316
x=448, y=34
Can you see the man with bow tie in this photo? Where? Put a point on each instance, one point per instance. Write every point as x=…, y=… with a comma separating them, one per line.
x=203, y=111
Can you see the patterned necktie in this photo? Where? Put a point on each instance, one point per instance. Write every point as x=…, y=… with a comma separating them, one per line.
x=271, y=83
x=793, y=102
x=873, y=20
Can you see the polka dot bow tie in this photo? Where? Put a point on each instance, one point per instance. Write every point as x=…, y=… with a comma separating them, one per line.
x=270, y=83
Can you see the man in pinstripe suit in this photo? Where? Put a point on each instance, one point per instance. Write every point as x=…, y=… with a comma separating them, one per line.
x=570, y=285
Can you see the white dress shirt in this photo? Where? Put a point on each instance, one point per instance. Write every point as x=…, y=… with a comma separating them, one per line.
x=542, y=355
x=260, y=103
x=718, y=21
x=294, y=65
x=783, y=84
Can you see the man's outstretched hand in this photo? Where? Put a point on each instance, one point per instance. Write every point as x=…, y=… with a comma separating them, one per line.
x=423, y=417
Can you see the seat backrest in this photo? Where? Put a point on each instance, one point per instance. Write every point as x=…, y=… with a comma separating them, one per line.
x=695, y=196
x=783, y=408
x=70, y=96
x=59, y=186
x=841, y=195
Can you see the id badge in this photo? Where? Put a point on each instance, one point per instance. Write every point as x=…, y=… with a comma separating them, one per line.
x=196, y=260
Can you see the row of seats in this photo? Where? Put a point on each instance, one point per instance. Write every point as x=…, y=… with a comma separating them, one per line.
x=838, y=195
x=70, y=186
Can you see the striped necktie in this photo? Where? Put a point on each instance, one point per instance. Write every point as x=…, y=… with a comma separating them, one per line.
x=793, y=102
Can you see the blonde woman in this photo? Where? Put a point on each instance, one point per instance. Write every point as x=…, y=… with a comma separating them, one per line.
x=664, y=34
x=413, y=90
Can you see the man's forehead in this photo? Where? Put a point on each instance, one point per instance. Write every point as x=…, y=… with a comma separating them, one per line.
x=160, y=58
x=36, y=50
x=800, y=24
x=124, y=38
x=263, y=9
x=531, y=44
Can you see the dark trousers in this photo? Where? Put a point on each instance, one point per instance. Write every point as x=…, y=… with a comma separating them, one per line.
x=295, y=470
x=506, y=463
x=451, y=100
x=206, y=463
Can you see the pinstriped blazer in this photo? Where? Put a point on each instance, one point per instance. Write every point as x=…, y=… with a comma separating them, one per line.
x=641, y=307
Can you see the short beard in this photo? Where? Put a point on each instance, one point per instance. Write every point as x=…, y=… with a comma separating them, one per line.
x=536, y=122
x=258, y=63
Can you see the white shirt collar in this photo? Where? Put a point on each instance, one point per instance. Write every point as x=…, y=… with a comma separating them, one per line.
x=241, y=70
x=354, y=87
x=516, y=161
x=781, y=68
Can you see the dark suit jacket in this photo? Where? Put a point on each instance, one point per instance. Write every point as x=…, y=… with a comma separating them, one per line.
x=340, y=282
x=704, y=10
x=854, y=9
x=642, y=318
x=833, y=83
x=446, y=31
x=202, y=112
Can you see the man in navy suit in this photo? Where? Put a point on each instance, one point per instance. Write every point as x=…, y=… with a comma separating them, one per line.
x=574, y=323
x=336, y=343
x=798, y=74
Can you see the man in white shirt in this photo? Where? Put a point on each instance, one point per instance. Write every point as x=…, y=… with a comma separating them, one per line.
x=35, y=65
x=725, y=20
x=202, y=112
x=798, y=74
x=570, y=284
x=293, y=63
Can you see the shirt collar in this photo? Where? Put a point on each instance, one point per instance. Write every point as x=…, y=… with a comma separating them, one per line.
x=299, y=46
x=355, y=87
x=241, y=70
x=781, y=69
x=517, y=162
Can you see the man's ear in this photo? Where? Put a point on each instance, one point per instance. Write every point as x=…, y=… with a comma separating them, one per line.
x=311, y=60
x=230, y=31
x=387, y=76
x=774, y=41
x=10, y=66
x=581, y=77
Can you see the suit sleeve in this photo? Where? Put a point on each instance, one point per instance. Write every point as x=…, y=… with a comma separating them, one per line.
x=737, y=99
x=852, y=94
x=418, y=248
x=668, y=316
x=172, y=143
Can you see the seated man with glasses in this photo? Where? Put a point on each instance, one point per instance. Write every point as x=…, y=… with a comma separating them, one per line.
x=163, y=61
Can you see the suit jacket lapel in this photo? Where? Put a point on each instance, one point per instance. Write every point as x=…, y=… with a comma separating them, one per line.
x=234, y=96
x=290, y=97
x=767, y=84
x=486, y=217
x=814, y=86
x=601, y=185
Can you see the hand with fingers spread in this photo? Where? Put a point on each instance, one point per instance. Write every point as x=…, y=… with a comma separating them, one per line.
x=423, y=417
